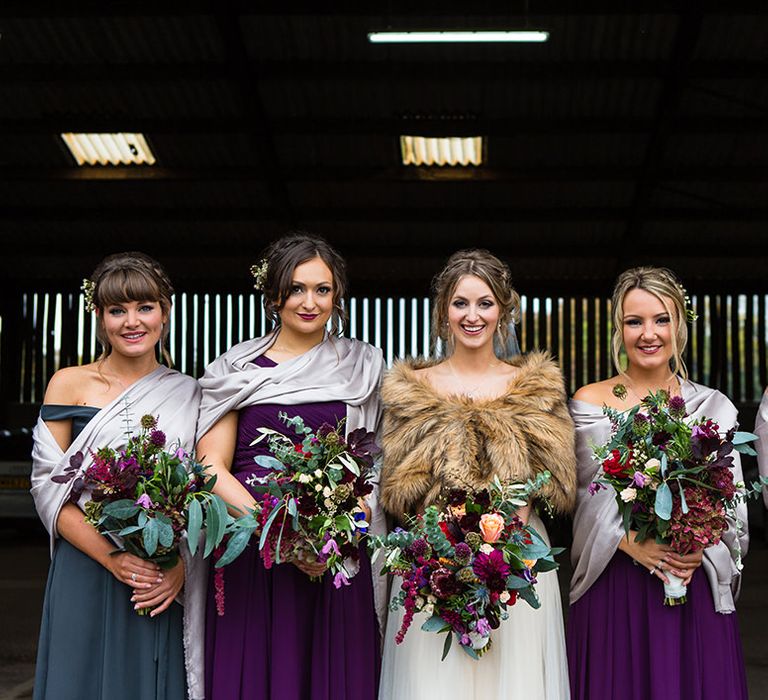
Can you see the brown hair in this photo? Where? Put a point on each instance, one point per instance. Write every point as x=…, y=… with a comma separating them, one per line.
x=283, y=256
x=126, y=277
x=488, y=268
x=666, y=287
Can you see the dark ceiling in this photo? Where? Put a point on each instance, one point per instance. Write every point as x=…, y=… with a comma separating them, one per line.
x=631, y=136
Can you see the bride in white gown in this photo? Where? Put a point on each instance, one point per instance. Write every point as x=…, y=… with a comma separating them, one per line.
x=458, y=423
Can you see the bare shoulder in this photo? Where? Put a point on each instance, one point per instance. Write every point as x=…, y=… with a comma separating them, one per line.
x=598, y=393
x=67, y=384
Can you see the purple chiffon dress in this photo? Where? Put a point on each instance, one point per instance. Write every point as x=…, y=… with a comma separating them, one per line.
x=283, y=636
x=624, y=643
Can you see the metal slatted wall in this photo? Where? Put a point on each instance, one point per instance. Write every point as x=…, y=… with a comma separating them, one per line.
x=727, y=346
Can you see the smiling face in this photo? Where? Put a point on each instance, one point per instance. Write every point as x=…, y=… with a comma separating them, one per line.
x=133, y=328
x=473, y=313
x=309, y=303
x=648, y=328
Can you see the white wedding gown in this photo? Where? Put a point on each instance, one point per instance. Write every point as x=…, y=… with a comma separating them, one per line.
x=527, y=659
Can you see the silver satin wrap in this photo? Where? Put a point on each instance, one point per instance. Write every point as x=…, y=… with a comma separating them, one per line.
x=337, y=369
x=761, y=430
x=173, y=398
x=597, y=526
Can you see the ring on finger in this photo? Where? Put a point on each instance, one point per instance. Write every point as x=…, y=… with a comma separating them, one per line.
x=653, y=571
x=133, y=577
x=660, y=565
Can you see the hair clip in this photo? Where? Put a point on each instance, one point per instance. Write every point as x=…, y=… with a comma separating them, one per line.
x=259, y=272
x=89, y=289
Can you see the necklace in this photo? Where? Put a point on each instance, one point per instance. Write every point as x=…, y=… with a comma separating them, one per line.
x=620, y=391
x=468, y=392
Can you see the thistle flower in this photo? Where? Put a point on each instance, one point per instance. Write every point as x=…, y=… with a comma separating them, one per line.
x=148, y=422
x=462, y=554
x=474, y=540
x=157, y=438
x=677, y=407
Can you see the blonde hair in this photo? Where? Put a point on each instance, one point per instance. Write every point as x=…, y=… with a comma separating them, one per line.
x=485, y=266
x=126, y=277
x=665, y=286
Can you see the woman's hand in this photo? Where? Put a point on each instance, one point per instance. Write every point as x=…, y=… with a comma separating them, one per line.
x=656, y=558
x=133, y=571
x=686, y=563
x=162, y=594
x=307, y=562
x=365, y=508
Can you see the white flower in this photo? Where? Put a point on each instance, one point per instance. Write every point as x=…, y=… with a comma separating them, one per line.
x=429, y=609
x=318, y=473
x=504, y=596
x=419, y=602
x=328, y=503
x=486, y=548
x=305, y=478
x=628, y=494
x=319, y=487
x=327, y=491
x=478, y=641
x=431, y=599
x=652, y=463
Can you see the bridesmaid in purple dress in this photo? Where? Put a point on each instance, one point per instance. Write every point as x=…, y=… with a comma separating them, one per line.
x=283, y=636
x=622, y=641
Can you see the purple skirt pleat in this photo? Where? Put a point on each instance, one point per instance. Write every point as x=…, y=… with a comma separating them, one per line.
x=624, y=643
x=285, y=637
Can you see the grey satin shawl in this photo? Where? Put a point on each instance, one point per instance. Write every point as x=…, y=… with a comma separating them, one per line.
x=761, y=430
x=173, y=398
x=337, y=369
x=597, y=527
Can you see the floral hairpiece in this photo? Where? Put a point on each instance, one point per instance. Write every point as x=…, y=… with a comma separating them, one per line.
x=89, y=289
x=259, y=272
x=690, y=313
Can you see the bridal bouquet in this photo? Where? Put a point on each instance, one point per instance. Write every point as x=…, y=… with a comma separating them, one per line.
x=464, y=564
x=672, y=476
x=308, y=505
x=150, y=496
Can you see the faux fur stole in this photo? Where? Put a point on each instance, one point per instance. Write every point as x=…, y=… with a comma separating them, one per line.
x=431, y=441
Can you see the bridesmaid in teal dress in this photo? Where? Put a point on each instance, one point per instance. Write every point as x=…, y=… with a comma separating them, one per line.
x=93, y=643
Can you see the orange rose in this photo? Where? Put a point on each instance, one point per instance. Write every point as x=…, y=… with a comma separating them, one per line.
x=491, y=526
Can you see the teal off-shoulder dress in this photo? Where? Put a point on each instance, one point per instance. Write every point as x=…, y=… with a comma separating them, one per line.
x=92, y=643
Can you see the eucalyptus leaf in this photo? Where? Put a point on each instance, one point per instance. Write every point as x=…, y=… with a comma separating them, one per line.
x=130, y=530
x=237, y=543
x=683, y=502
x=745, y=449
x=164, y=534
x=211, y=527
x=122, y=510
x=516, y=583
x=267, y=525
x=194, y=523
x=269, y=462
x=150, y=537
x=664, y=463
x=447, y=645
x=349, y=463
x=663, y=505
x=435, y=624
x=530, y=597
x=742, y=437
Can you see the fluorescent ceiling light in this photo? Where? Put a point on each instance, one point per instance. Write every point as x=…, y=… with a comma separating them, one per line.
x=456, y=37
x=109, y=149
x=449, y=150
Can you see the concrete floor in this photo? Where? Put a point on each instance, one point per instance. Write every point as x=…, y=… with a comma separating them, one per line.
x=24, y=557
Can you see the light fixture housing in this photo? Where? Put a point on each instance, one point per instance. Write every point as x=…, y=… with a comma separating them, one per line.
x=453, y=37
x=109, y=149
x=442, y=150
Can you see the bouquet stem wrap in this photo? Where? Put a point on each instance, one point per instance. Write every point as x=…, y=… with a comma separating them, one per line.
x=675, y=592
